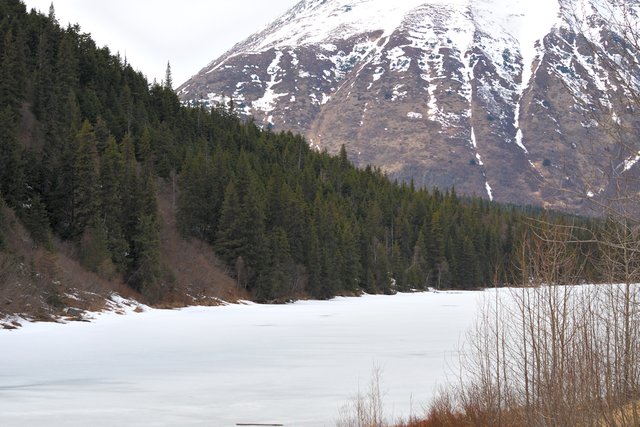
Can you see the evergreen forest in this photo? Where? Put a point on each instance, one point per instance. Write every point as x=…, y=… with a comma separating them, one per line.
x=85, y=141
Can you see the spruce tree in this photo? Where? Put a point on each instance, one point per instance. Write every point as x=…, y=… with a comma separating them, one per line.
x=36, y=220
x=112, y=198
x=11, y=170
x=66, y=66
x=230, y=239
x=197, y=200
x=131, y=183
x=398, y=268
x=144, y=275
x=349, y=256
x=94, y=250
x=144, y=153
x=436, y=249
x=276, y=276
x=252, y=221
x=11, y=74
x=45, y=90
x=382, y=270
x=168, y=79
x=417, y=272
x=313, y=260
x=84, y=182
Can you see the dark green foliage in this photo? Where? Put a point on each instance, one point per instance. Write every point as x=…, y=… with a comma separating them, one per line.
x=277, y=274
x=94, y=250
x=85, y=171
x=145, y=270
x=83, y=184
x=35, y=218
x=346, y=230
x=12, y=70
x=168, y=80
x=11, y=171
x=4, y=224
x=111, y=200
x=230, y=241
x=199, y=203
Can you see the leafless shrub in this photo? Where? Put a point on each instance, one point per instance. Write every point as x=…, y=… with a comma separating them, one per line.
x=552, y=353
x=365, y=410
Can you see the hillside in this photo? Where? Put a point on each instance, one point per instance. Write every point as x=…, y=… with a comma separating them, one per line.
x=111, y=185
x=516, y=101
x=55, y=262
x=47, y=283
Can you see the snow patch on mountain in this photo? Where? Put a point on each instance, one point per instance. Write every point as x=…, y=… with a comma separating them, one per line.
x=398, y=62
x=630, y=162
x=344, y=62
x=489, y=190
x=268, y=100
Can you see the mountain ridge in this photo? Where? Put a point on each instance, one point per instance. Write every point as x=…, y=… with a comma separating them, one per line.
x=433, y=84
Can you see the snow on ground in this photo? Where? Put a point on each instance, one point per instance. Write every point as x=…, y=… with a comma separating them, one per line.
x=293, y=364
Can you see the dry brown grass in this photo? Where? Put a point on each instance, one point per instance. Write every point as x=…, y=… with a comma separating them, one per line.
x=199, y=277
x=442, y=414
x=39, y=283
x=42, y=284
x=627, y=415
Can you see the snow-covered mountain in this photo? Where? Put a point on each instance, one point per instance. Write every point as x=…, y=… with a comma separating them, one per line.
x=519, y=100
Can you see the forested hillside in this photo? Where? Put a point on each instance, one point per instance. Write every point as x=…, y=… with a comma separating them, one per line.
x=86, y=143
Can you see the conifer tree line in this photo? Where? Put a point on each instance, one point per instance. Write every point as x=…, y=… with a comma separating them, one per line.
x=76, y=162
x=84, y=140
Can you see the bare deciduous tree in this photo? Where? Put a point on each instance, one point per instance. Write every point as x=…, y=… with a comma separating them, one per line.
x=555, y=352
x=365, y=410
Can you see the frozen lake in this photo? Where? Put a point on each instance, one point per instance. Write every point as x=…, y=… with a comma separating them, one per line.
x=291, y=364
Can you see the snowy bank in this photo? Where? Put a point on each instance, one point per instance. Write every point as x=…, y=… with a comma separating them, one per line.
x=293, y=364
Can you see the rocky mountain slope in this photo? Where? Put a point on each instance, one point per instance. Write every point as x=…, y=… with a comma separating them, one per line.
x=514, y=100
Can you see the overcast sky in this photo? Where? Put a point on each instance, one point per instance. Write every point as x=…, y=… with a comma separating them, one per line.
x=188, y=33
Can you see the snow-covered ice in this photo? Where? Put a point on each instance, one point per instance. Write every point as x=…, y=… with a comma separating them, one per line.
x=293, y=364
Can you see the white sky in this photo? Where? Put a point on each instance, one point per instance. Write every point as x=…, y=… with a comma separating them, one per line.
x=188, y=33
